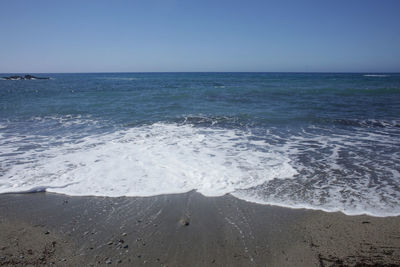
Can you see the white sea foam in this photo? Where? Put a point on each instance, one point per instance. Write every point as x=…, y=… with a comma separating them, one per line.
x=66, y=120
x=316, y=168
x=354, y=174
x=375, y=75
x=148, y=160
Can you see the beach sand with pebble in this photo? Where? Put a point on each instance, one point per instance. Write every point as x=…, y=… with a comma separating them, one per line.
x=187, y=230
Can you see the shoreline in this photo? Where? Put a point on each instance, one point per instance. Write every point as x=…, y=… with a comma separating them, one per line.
x=187, y=230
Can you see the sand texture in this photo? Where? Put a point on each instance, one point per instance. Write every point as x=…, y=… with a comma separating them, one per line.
x=187, y=230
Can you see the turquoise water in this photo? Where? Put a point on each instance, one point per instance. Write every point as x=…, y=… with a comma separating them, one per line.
x=321, y=141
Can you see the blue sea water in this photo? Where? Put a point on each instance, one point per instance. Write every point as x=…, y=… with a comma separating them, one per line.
x=319, y=141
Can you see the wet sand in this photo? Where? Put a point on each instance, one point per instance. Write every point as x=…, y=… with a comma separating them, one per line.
x=187, y=230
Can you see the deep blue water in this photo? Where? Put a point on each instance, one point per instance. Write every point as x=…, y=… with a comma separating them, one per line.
x=325, y=141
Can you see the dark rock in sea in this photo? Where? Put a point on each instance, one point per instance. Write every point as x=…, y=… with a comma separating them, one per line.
x=13, y=78
x=26, y=77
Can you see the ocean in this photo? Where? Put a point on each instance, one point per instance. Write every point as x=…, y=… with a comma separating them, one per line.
x=326, y=141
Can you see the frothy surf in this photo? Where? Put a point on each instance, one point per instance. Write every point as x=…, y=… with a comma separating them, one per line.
x=145, y=161
x=313, y=168
x=354, y=174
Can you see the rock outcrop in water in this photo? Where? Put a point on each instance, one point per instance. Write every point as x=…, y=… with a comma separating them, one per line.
x=26, y=77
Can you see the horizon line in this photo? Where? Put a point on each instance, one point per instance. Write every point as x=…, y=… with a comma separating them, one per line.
x=316, y=72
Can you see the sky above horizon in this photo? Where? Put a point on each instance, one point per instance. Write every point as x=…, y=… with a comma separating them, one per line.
x=171, y=35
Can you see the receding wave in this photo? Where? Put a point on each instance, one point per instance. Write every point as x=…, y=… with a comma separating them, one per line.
x=148, y=160
x=320, y=168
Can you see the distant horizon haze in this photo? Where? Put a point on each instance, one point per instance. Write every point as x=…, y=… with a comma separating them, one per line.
x=238, y=72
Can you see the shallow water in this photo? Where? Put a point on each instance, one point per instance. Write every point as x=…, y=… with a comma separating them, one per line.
x=321, y=141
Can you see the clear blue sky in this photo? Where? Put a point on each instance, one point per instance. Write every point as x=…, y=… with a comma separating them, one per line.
x=216, y=35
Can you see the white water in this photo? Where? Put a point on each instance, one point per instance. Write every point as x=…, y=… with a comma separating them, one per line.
x=146, y=161
x=376, y=75
x=309, y=170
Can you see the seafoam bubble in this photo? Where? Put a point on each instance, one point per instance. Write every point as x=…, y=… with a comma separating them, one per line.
x=356, y=172
x=333, y=169
x=149, y=160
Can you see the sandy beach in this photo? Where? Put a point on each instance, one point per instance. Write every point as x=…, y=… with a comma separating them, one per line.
x=187, y=230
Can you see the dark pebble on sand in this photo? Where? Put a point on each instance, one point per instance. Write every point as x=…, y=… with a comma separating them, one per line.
x=47, y=232
x=365, y=222
x=126, y=246
x=110, y=243
x=108, y=261
x=184, y=221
